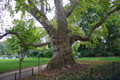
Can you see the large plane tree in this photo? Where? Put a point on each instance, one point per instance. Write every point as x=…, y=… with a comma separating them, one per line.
x=59, y=31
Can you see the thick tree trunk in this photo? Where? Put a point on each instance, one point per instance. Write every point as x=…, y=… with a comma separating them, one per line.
x=62, y=52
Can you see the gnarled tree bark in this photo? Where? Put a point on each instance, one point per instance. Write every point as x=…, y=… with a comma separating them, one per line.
x=62, y=52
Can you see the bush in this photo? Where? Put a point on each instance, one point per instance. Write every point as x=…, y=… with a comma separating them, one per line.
x=87, y=53
x=47, y=53
x=34, y=53
x=41, y=53
x=74, y=53
x=107, y=54
x=117, y=53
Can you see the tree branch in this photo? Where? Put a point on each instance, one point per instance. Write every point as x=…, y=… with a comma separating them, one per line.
x=88, y=37
x=40, y=17
x=38, y=45
x=74, y=38
x=22, y=41
x=71, y=8
x=102, y=20
x=14, y=33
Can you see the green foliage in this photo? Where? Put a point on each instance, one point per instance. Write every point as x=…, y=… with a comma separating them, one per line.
x=54, y=23
x=87, y=14
x=75, y=47
x=117, y=53
x=113, y=35
x=33, y=53
x=95, y=53
x=105, y=38
x=38, y=15
x=75, y=30
x=87, y=53
x=47, y=53
x=28, y=32
x=107, y=54
x=74, y=53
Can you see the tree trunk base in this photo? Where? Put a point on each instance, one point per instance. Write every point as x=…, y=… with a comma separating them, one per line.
x=51, y=74
x=70, y=67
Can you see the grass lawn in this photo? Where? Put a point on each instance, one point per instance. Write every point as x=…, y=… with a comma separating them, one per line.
x=12, y=64
x=99, y=59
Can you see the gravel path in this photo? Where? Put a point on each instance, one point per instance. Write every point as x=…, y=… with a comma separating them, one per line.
x=25, y=73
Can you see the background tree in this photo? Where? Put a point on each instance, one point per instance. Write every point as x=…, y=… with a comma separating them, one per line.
x=99, y=41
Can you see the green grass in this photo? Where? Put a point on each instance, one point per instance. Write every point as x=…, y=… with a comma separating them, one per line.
x=12, y=64
x=99, y=59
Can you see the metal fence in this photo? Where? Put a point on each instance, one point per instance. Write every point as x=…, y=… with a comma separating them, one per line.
x=98, y=70
x=15, y=76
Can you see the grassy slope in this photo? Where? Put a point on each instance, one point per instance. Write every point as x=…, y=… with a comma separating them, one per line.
x=12, y=64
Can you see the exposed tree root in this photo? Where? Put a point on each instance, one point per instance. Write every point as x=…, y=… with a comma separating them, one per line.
x=72, y=67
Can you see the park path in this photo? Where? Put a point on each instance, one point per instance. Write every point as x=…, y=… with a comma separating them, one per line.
x=25, y=73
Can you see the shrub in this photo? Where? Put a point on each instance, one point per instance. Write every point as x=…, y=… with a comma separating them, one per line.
x=48, y=53
x=107, y=54
x=74, y=53
x=40, y=54
x=117, y=53
x=87, y=53
x=34, y=53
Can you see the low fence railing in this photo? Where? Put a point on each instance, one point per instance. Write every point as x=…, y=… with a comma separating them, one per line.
x=96, y=71
x=99, y=70
x=15, y=76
